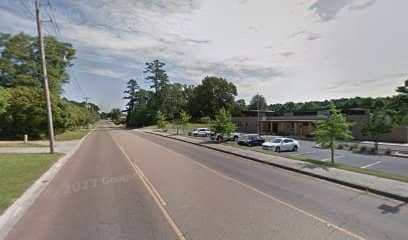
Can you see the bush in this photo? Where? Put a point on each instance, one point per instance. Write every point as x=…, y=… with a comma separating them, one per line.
x=363, y=149
x=206, y=120
x=372, y=150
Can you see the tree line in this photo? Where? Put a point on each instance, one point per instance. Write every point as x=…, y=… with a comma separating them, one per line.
x=22, y=101
x=170, y=101
x=202, y=102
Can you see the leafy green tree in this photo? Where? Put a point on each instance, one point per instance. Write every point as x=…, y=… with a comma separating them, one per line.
x=211, y=95
x=258, y=101
x=223, y=123
x=403, y=89
x=20, y=61
x=4, y=100
x=116, y=114
x=183, y=120
x=334, y=127
x=157, y=75
x=143, y=113
x=174, y=100
x=131, y=91
x=161, y=120
x=379, y=122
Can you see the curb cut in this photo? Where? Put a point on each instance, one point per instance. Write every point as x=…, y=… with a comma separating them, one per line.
x=15, y=211
x=329, y=179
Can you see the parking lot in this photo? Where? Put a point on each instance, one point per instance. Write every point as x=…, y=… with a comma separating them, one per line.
x=390, y=164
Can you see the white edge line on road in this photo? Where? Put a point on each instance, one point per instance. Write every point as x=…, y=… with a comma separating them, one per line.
x=153, y=192
x=370, y=165
x=264, y=194
x=17, y=210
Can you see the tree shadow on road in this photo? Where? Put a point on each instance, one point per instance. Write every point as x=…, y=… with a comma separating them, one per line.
x=391, y=209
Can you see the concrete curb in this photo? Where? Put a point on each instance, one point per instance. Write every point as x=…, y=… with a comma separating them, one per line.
x=355, y=185
x=13, y=213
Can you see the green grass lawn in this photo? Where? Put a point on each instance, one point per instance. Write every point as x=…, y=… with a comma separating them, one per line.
x=18, y=171
x=20, y=144
x=72, y=135
x=329, y=164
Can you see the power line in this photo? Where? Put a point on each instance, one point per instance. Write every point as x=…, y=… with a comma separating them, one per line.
x=51, y=15
x=77, y=83
x=27, y=8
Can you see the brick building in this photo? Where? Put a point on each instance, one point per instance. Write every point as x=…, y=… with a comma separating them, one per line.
x=303, y=123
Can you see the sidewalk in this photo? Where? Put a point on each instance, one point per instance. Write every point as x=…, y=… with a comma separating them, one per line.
x=60, y=147
x=381, y=186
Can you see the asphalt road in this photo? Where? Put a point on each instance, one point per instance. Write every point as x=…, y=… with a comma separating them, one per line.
x=124, y=185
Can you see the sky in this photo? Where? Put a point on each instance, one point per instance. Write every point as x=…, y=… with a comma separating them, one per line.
x=292, y=50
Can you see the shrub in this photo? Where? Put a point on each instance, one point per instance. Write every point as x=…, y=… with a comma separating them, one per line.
x=205, y=120
x=372, y=150
x=363, y=149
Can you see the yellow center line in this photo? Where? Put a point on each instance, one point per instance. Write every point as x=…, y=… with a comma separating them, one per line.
x=327, y=223
x=153, y=192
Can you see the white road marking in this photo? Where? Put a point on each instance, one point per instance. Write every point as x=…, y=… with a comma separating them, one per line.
x=370, y=165
x=153, y=192
x=228, y=178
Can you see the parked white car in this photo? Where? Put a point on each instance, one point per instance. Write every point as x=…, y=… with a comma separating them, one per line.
x=201, y=132
x=281, y=144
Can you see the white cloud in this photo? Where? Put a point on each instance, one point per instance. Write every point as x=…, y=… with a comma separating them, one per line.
x=287, y=50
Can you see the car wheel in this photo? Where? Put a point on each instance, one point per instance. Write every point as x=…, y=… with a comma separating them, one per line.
x=235, y=138
x=277, y=149
x=249, y=144
x=295, y=148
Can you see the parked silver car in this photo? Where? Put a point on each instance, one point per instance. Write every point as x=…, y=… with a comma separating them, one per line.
x=222, y=138
x=281, y=144
x=200, y=132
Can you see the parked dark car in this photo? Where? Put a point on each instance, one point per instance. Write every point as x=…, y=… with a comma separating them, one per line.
x=251, y=140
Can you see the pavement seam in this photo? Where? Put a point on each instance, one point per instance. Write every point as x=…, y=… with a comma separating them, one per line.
x=153, y=192
x=16, y=211
x=225, y=177
x=329, y=179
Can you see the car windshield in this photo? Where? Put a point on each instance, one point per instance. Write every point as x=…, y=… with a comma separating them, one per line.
x=277, y=140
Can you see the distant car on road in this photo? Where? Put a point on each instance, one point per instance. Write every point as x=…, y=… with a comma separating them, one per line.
x=223, y=138
x=200, y=132
x=251, y=140
x=281, y=144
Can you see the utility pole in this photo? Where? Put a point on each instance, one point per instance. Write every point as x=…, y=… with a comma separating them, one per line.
x=86, y=102
x=45, y=77
x=257, y=107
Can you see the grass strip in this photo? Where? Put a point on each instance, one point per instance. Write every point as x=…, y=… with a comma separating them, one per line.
x=72, y=135
x=18, y=171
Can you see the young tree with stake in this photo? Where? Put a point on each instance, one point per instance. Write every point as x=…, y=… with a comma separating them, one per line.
x=334, y=127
